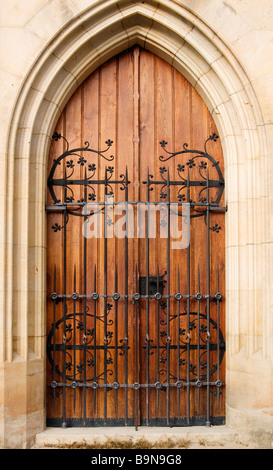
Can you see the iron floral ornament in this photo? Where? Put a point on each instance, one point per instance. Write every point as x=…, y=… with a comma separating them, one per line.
x=68, y=182
x=72, y=158
x=200, y=159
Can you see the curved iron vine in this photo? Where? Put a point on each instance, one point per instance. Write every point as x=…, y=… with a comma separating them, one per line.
x=185, y=344
x=186, y=182
x=185, y=340
x=73, y=370
x=73, y=157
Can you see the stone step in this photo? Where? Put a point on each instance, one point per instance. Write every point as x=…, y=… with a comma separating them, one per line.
x=143, y=438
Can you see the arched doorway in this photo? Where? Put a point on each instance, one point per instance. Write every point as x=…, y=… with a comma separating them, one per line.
x=136, y=317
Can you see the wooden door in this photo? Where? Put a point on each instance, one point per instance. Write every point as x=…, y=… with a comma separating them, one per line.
x=135, y=319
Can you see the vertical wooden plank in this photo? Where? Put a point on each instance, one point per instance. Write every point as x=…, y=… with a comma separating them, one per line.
x=134, y=244
x=106, y=266
x=126, y=156
x=182, y=135
x=73, y=134
x=198, y=126
x=90, y=132
x=54, y=265
x=164, y=130
x=146, y=125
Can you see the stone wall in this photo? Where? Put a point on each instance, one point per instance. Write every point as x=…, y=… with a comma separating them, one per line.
x=225, y=49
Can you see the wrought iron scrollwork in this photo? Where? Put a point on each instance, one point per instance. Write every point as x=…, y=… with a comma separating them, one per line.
x=68, y=344
x=205, y=163
x=72, y=158
x=81, y=358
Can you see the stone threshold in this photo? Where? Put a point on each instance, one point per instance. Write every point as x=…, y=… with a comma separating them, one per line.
x=216, y=437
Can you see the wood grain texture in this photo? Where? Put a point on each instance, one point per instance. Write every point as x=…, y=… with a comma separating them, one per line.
x=136, y=100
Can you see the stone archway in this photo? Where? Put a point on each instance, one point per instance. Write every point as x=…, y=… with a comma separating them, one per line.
x=182, y=39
